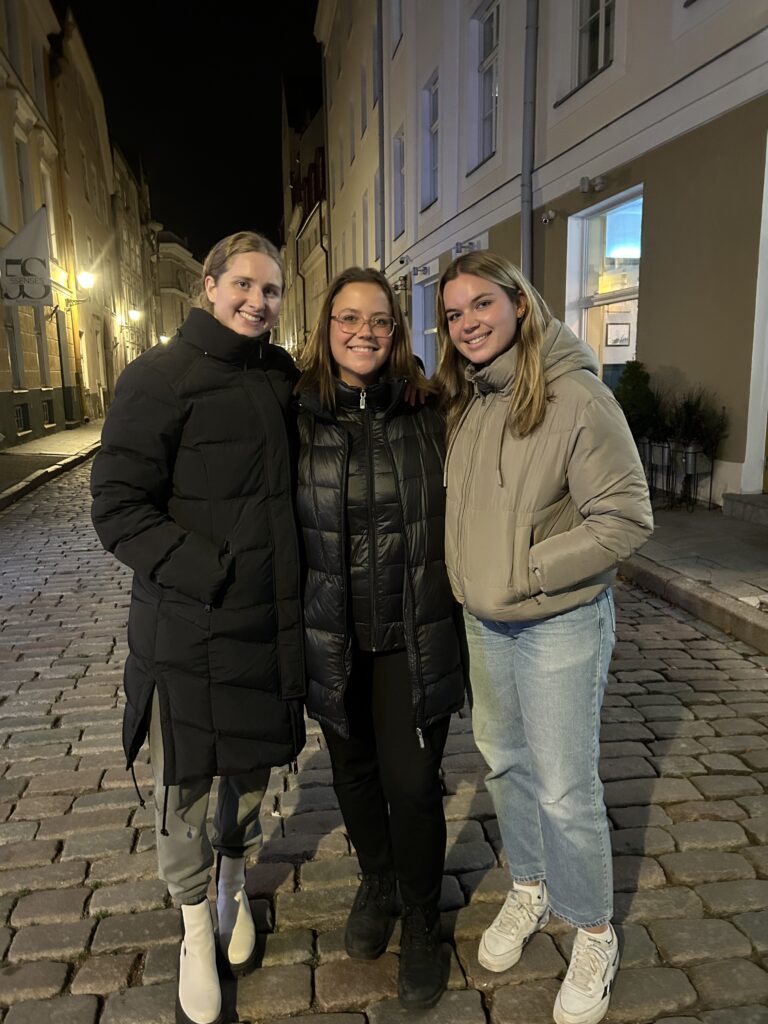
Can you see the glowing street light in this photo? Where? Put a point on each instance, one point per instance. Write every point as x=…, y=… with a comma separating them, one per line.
x=85, y=279
x=134, y=315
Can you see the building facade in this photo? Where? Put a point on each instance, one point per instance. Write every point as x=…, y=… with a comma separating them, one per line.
x=616, y=150
x=305, y=248
x=180, y=278
x=38, y=344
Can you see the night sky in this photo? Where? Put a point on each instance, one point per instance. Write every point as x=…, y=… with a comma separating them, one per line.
x=194, y=93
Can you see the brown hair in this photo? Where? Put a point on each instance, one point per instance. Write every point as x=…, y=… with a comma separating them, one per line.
x=218, y=259
x=529, y=396
x=317, y=363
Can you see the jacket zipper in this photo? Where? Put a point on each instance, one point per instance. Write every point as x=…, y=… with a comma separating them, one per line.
x=414, y=662
x=465, y=488
x=371, y=524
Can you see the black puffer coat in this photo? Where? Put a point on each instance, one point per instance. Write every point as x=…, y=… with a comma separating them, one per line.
x=407, y=444
x=192, y=489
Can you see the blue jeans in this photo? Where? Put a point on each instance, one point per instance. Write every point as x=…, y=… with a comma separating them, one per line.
x=537, y=689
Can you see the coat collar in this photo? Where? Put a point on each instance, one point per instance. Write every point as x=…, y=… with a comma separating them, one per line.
x=204, y=331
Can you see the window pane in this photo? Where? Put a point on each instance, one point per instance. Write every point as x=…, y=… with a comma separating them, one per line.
x=487, y=44
x=587, y=9
x=589, y=43
x=430, y=291
x=614, y=249
x=608, y=37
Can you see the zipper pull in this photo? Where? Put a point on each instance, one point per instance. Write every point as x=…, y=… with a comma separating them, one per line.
x=294, y=767
x=362, y=398
x=420, y=734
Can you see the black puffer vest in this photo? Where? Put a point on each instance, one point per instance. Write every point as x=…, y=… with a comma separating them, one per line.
x=192, y=489
x=387, y=583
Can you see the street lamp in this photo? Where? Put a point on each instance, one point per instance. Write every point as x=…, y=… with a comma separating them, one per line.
x=85, y=280
x=134, y=315
x=164, y=339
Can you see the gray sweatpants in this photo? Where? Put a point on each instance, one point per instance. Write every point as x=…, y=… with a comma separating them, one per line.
x=185, y=855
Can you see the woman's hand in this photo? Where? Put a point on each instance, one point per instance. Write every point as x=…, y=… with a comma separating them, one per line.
x=413, y=394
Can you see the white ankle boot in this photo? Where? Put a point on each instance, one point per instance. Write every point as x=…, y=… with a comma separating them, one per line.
x=199, y=1000
x=237, y=934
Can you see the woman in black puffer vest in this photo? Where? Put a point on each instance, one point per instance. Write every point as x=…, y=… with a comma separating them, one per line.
x=383, y=657
x=193, y=490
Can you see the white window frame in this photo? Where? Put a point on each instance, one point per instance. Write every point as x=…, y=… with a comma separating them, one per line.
x=377, y=225
x=430, y=149
x=577, y=303
x=396, y=24
x=486, y=62
x=46, y=177
x=364, y=225
x=606, y=41
x=398, y=183
x=363, y=99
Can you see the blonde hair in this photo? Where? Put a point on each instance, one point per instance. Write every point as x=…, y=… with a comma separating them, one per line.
x=218, y=259
x=528, y=400
x=318, y=365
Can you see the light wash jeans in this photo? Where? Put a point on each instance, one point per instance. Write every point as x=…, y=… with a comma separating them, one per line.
x=537, y=689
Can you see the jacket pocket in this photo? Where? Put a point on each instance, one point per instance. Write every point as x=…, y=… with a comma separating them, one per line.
x=520, y=576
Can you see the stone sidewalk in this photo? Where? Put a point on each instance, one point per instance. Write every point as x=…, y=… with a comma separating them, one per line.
x=86, y=933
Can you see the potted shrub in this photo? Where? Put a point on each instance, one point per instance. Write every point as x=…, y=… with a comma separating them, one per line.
x=638, y=402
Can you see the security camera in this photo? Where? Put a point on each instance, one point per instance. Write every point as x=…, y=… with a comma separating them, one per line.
x=548, y=216
x=404, y=260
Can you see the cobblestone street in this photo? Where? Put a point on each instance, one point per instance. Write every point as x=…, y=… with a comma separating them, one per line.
x=86, y=930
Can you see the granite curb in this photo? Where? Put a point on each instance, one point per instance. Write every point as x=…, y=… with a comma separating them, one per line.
x=713, y=606
x=30, y=483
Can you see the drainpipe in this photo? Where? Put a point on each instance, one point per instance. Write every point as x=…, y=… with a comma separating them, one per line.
x=529, y=124
x=379, y=73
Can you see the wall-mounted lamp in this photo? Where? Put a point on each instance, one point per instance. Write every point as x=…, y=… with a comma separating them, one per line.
x=164, y=339
x=85, y=279
x=400, y=285
x=548, y=216
x=134, y=315
x=420, y=270
x=596, y=184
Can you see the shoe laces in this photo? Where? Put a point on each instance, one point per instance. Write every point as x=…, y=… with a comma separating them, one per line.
x=416, y=931
x=375, y=887
x=588, y=963
x=517, y=914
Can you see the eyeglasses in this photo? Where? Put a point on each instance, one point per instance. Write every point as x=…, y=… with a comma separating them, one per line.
x=381, y=326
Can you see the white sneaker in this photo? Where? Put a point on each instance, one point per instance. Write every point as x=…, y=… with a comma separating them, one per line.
x=586, y=992
x=522, y=915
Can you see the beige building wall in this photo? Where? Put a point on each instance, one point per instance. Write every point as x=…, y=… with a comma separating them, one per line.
x=35, y=342
x=674, y=112
x=180, y=279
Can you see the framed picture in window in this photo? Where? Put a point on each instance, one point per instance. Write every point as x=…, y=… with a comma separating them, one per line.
x=617, y=335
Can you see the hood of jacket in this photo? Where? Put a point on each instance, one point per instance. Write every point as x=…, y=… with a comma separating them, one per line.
x=561, y=352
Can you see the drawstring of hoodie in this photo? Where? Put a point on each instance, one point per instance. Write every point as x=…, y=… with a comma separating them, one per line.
x=499, y=477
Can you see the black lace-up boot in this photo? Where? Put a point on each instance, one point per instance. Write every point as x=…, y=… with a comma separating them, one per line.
x=423, y=976
x=370, y=922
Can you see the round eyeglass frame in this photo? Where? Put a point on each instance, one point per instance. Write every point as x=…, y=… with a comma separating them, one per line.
x=359, y=321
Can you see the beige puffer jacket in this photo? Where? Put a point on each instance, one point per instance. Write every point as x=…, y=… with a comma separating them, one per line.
x=536, y=526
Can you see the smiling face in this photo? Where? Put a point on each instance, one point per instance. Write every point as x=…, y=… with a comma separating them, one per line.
x=481, y=317
x=247, y=296
x=360, y=357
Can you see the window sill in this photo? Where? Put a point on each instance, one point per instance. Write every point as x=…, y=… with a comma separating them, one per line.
x=398, y=235
x=429, y=205
x=23, y=433
x=581, y=85
x=484, y=161
x=49, y=426
x=20, y=391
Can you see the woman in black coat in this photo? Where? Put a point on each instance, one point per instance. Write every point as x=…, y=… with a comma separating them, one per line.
x=192, y=489
x=383, y=660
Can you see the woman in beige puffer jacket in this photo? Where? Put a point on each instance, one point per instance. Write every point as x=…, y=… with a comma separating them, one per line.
x=545, y=496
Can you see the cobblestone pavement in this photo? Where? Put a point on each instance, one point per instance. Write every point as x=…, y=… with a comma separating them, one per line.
x=86, y=932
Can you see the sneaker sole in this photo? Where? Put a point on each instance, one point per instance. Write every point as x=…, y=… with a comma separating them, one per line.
x=497, y=964
x=594, y=1016
x=182, y=1018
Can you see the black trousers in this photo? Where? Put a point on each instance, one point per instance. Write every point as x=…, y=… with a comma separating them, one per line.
x=387, y=785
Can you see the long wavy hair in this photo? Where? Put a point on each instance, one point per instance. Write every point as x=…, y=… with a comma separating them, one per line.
x=219, y=258
x=528, y=400
x=320, y=370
